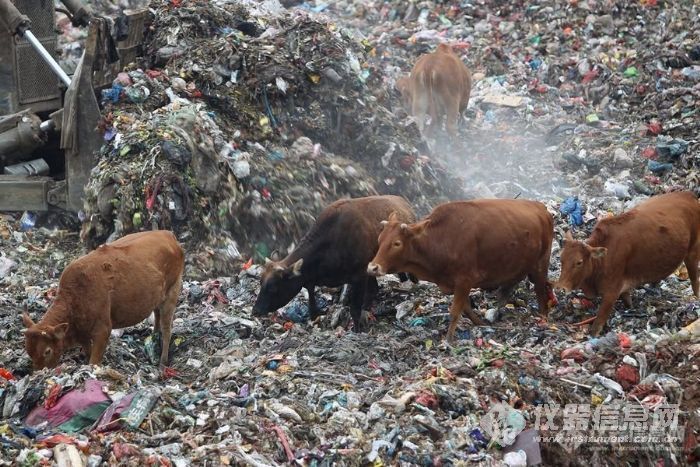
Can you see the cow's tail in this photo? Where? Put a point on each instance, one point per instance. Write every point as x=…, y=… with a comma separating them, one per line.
x=427, y=82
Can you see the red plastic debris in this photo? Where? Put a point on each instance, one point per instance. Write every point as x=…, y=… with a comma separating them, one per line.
x=654, y=128
x=52, y=398
x=574, y=354
x=55, y=440
x=248, y=264
x=551, y=297
x=643, y=390
x=536, y=86
x=288, y=325
x=123, y=450
x=427, y=399
x=649, y=153
x=284, y=441
x=169, y=372
x=590, y=76
x=625, y=340
x=154, y=74
x=627, y=376
x=461, y=45
x=150, y=198
x=690, y=446
x=156, y=460
x=6, y=374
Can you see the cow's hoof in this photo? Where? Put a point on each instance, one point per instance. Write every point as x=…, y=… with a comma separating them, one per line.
x=596, y=329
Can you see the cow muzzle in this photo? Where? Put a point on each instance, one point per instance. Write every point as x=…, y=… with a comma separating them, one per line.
x=373, y=269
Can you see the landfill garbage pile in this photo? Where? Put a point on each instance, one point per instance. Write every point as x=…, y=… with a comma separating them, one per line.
x=550, y=78
x=239, y=129
x=71, y=39
x=574, y=104
x=245, y=391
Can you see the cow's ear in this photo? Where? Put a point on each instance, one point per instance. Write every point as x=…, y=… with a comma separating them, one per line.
x=598, y=252
x=445, y=47
x=568, y=237
x=267, y=261
x=417, y=229
x=26, y=320
x=296, y=267
x=394, y=216
x=60, y=330
x=275, y=256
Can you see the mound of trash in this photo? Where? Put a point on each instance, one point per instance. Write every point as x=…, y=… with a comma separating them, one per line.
x=240, y=125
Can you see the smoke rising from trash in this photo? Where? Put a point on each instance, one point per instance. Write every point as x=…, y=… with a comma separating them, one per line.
x=500, y=156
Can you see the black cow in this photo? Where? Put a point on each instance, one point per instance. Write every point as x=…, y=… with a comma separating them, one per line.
x=334, y=252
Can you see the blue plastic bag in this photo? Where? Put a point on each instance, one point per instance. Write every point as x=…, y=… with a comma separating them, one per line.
x=572, y=207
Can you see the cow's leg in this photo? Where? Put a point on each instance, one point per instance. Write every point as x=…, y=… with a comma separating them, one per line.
x=371, y=292
x=461, y=303
x=419, y=107
x=356, y=296
x=691, y=264
x=167, y=312
x=86, y=345
x=156, y=316
x=100, y=339
x=435, y=122
x=504, y=293
x=313, y=306
x=539, y=280
x=627, y=298
x=606, y=308
x=451, y=117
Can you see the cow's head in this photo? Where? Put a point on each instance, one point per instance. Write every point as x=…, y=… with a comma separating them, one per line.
x=395, y=246
x=279, y=284
x=403, y=85
x=444, y=48
x=44, y=343
x=577, y=263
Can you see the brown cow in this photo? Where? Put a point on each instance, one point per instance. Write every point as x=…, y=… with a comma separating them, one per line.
x=334, y=252
x=487, y=243
x=643, y=245
x=439, y=84
x=115, y=286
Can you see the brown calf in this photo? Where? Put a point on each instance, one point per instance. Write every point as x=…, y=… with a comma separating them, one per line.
x=439, y=84
x=115, y=286
x=643, y=245
x=462, y=245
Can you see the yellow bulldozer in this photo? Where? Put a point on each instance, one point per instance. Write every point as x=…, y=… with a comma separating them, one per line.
x=48, y=119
